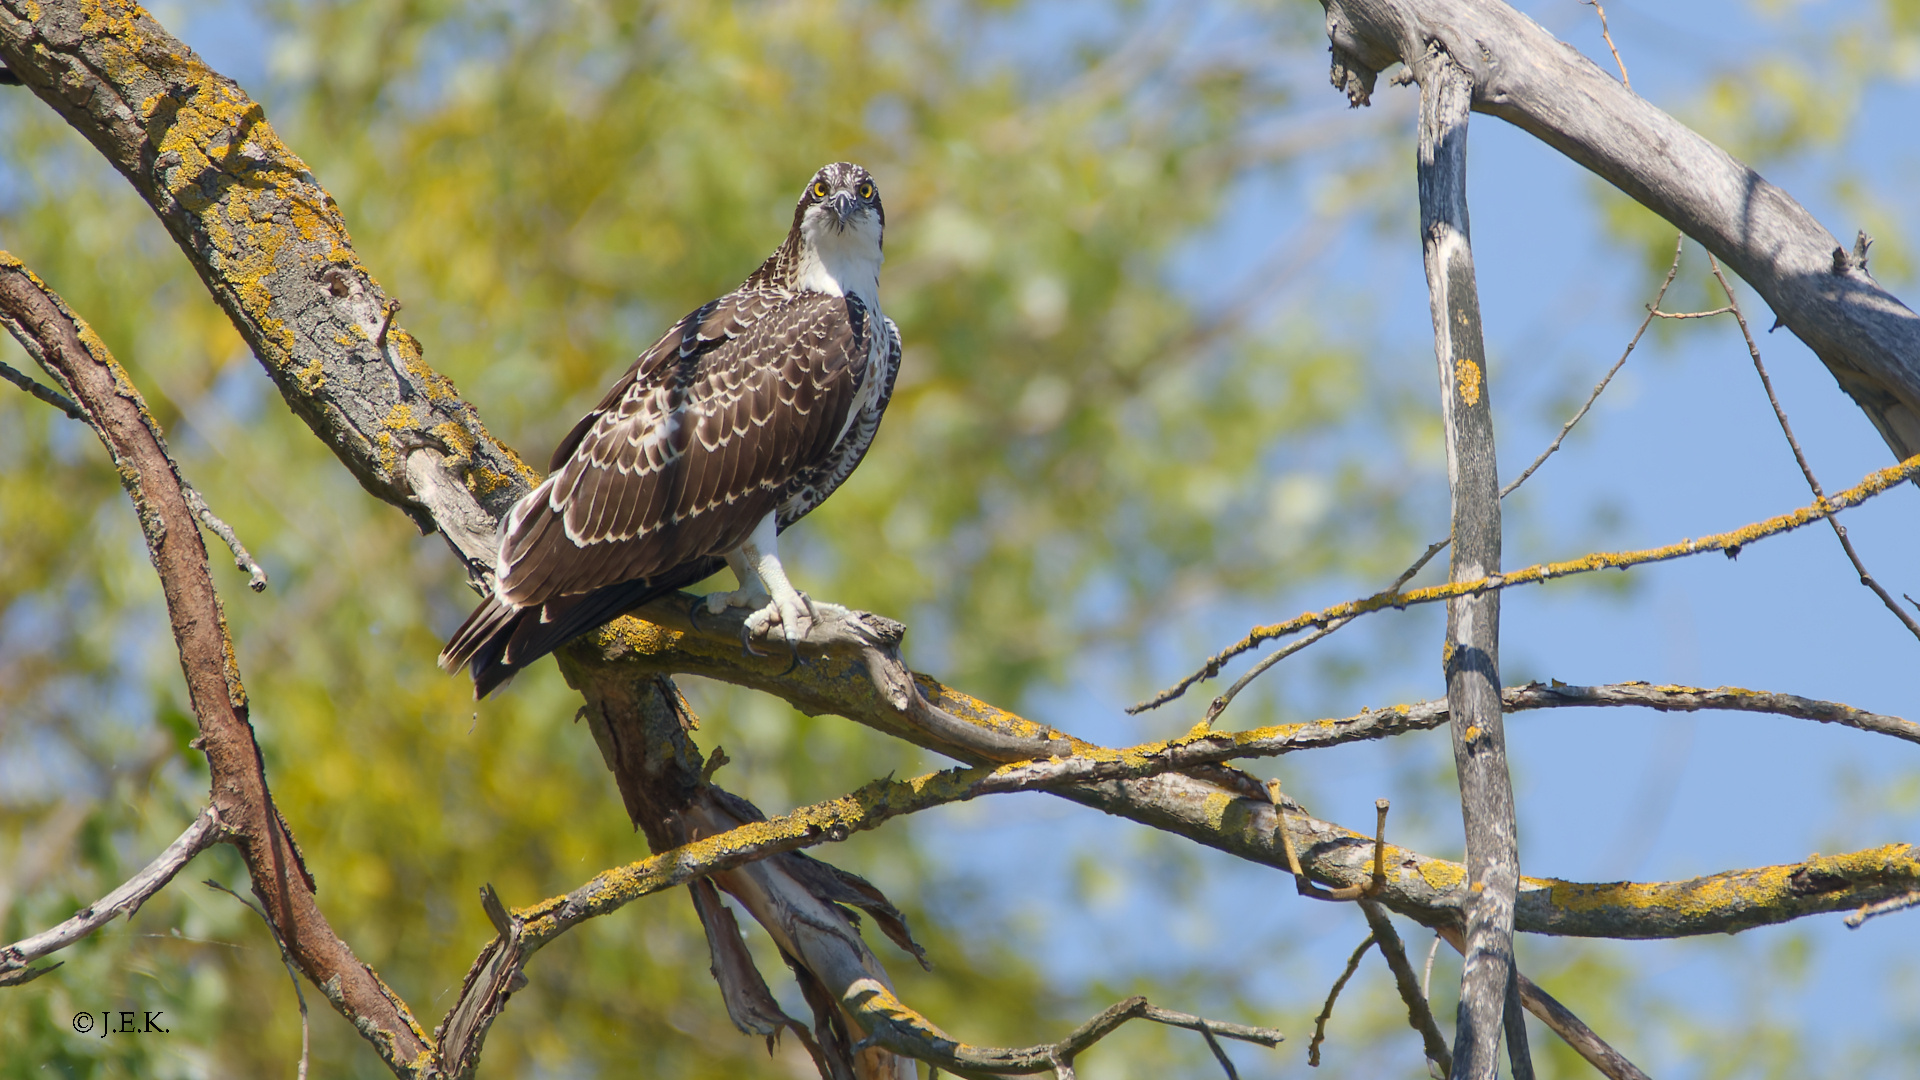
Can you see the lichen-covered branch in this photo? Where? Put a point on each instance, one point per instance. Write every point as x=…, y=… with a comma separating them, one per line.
x=1867, y=338
x=78, y=360
x=125, y=900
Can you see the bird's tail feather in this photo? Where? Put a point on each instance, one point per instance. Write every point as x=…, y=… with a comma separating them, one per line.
x=498, y=639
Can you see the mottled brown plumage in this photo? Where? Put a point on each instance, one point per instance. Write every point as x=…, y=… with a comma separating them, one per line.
x=759, y=403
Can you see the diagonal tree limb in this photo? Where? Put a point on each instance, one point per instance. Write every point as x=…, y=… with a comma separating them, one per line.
x=1419, y=1014
x=1866, y=337
x=135, y=891
x=1562, y=1022
x=78, y=360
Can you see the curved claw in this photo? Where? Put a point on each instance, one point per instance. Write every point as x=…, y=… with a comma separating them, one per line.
x=795, y=665
x=746, y=640
x=693, y=611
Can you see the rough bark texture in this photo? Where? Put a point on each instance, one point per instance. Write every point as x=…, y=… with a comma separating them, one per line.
x=1868, y=339
x=1472, y=651
x=76, y=358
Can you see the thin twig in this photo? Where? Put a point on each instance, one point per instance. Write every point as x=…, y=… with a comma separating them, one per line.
x=1213, y=666
x=42, y=391
x=256, y=576
x=286, y=958
x=1653, y=309
x=1419, y=1014
x=1884, y=907
x=1806, y=470
x=1875, y=483
x=1426, y=978
x=1692, y=314
x=198, y=837
x=1326, y=1011
x=1595, y=5
x=895, y=1029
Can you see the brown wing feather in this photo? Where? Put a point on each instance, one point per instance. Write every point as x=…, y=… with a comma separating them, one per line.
x=693, y=446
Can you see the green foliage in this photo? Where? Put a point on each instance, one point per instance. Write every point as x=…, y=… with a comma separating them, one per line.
x=546, y=195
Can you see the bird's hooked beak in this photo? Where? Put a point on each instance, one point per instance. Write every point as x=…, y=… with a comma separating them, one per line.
x=844, y=206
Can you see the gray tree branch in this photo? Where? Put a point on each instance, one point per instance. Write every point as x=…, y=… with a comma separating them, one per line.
x=1867, y=338
x=1472, y=650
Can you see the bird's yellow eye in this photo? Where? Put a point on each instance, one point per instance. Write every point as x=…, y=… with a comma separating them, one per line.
x=819, y=189
x=866, y=191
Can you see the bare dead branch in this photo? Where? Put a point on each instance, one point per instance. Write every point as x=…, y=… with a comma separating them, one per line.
x=40, y=390
x=135, y=891
x=1693, y=699
x=1333, y=995
x=78, y=360
x=1866, y=337
x=286, y=959
x=1806, y=470
x=905, y=1032
x=256, y=576
x=1564, y=1023
x=1419, y=1014
x=1653, y=309
x=1692, y=314
x=1472, y=650
x=1884, y=907
x=1605, y=33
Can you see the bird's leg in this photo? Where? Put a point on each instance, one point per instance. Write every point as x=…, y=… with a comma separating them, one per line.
x=787, y=605
x=750, y=594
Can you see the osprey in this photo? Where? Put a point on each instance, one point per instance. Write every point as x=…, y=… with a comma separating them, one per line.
x=741, y=419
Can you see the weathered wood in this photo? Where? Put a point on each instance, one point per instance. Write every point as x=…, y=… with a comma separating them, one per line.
x=1472, y=651
x=1868, y=339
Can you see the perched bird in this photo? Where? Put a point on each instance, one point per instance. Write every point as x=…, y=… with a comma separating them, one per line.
x=741, y=419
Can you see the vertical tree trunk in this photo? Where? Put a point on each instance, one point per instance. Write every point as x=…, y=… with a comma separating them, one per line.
x=1472, y=651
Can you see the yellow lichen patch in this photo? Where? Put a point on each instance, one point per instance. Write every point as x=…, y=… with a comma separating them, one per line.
x=33, y=11
x=1467, y=374
x=1472, y=733
x=631, y=635
x=1441, y=876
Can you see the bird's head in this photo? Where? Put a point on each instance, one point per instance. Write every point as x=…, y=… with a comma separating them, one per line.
x=840, y=199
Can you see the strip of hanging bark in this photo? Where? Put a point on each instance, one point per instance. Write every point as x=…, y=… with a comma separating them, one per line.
x=1866, y=337
x=1419, y=1013
x=1472, y=651
x=125, y=900
x=78, y=360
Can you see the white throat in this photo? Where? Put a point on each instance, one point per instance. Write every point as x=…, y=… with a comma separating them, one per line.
x=841, y=262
